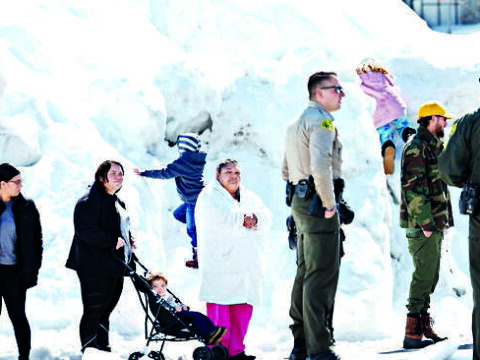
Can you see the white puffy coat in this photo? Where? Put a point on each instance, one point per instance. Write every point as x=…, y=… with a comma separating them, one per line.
x=228, y=253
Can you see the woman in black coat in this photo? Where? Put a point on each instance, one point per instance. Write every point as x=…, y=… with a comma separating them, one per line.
x=20, y=252
x=101, y=240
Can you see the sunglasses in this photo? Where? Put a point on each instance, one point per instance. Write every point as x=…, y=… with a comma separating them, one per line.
x=16, y=182
x=338, y=88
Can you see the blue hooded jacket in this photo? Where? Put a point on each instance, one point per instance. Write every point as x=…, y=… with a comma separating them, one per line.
x=188, y=173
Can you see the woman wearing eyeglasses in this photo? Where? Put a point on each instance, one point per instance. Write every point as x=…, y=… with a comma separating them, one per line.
x=101, y=243
x=20, y=252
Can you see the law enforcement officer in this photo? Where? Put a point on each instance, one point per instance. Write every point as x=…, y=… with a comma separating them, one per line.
x=459, y=165
x=311, y=164
x=425, y=213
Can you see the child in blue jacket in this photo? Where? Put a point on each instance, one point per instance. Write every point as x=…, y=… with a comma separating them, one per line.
x=187, y=170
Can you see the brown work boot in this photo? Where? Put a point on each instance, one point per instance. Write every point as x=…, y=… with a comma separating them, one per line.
x=389, y=160
x=414, y=334
x=427, y=330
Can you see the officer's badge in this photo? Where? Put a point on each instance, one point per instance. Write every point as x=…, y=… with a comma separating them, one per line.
x=327, y=125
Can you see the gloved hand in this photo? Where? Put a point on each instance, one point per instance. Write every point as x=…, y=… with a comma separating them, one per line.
x=407, y=132
x=345, y=212
x=338, y=186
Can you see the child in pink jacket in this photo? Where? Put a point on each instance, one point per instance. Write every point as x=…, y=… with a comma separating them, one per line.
x=390, y=111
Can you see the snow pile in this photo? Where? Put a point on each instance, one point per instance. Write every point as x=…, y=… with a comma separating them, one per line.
x=89, y=81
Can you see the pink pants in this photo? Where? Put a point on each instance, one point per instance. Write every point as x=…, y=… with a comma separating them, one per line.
x=236, y=319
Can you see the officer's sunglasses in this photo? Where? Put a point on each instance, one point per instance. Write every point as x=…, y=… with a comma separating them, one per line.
x=338, y=88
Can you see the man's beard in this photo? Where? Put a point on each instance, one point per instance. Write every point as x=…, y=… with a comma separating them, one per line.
x=440, y=134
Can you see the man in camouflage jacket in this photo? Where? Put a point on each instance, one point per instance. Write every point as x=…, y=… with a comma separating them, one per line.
x=458, y=165
x=425, y=213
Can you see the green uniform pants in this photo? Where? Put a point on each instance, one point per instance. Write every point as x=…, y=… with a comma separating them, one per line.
x=474, y=249
x=313, y=292
x=426, y=261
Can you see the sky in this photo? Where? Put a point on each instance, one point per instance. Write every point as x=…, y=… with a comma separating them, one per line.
x=84, y=82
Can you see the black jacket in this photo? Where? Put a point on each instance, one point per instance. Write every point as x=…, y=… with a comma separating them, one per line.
x=97, y=229
x=29, y=239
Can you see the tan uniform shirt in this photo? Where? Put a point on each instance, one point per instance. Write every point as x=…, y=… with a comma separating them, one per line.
x=313, y=148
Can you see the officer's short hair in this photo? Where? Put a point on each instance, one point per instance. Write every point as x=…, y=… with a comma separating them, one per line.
x=317, y=79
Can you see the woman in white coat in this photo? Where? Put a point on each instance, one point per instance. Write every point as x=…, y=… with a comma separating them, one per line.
x=230, y=221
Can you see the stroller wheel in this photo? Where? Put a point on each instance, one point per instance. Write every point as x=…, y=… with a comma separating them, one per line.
x=220, y=352
x=203, y=353
x=156, y=355
x=135, y=356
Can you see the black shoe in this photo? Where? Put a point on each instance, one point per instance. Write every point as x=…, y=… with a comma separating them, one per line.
x=298, y=354
x=242, y=356
x=216, y=335
x=106, y=348
x=328, y=355
x=193, y=264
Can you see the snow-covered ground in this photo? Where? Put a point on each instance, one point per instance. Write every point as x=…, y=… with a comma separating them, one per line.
x=81, y=82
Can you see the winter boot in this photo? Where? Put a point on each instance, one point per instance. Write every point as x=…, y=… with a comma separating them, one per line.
x=413, y=333
x=388, y=153
x=427, y=330
x=194, y=262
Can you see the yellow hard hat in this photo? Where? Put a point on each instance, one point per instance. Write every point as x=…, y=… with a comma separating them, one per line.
x=433, y=108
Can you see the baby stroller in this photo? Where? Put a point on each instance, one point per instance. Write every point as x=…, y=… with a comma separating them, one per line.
x=171, y=328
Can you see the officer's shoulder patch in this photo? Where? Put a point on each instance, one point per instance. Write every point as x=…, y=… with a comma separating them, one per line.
x=454, y=128
x=327, y=125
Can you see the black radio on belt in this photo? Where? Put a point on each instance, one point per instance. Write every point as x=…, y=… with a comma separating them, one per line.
x=469, y=198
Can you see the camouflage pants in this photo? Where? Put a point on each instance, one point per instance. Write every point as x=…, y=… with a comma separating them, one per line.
x=474, y=249
x=313, y=292
x=426, y=261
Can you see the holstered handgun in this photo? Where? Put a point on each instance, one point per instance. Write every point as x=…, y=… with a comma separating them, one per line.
x=289, y=192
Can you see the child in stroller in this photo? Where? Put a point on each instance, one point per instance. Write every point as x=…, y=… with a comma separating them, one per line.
x=172, y=320
x=200, y=323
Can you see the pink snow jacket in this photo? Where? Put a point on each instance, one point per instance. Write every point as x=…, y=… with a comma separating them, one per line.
x=390, y=105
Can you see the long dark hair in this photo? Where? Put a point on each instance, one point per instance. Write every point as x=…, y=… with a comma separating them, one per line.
x=104, y=168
